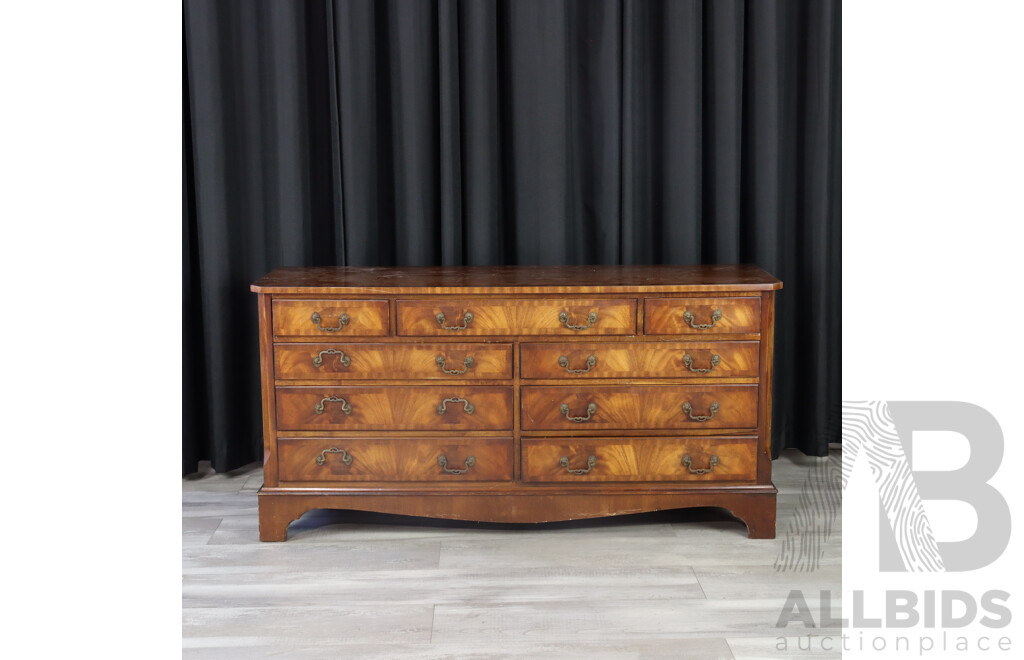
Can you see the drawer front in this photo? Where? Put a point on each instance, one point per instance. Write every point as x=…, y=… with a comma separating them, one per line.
x=370, y=408
x=395, y=459
x=726, y=359
x=707, y=316
x=331, y=320
x=457, y=318
x=639, y=407
x=362, y=361
x=581, y=460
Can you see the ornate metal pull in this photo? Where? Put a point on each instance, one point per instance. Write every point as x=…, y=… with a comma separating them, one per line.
x=342, y=358
x=688, y=409
x=467, y=363
x=563, y=317
x=467, y=318
x=564, y=362
x=688, y=363
x=564, y=409
x=469, y=408
x=711, y=464
x=342, y=322
x=715, y=316
x=346, y=457
x=346, y=407
x=591, y=462
x=443, y=462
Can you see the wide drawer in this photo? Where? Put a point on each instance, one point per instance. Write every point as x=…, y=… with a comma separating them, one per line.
x=581, y=460
x=362, y=361
x=402, y=408
x=732, y=359
x=451, y=318
x=330, y=319
x=687, y=316
x=639, y=407
x=395, y=459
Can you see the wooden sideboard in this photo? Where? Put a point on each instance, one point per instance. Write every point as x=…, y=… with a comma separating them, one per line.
x=517, y=394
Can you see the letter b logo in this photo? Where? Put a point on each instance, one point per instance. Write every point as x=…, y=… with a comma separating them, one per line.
x=882, y=431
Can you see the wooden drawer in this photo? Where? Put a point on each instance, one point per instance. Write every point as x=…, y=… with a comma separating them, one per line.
x=394, y=408
x=687, y=316
x=454, y=318
x=362, y=361
x=330, y=319
x=726, y=359
x=580, y=460
x=401, y=459
x=639, y=407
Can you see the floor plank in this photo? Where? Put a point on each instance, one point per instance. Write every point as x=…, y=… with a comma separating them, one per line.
x=318, y=625
x=611, y=620
x=674, y=584
x=492, y=584
x=812, y=646
x=482, y=649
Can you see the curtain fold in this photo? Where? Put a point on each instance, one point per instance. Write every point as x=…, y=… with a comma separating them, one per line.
x=414, y=132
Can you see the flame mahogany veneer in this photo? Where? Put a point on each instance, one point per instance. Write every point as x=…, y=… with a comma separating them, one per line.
x=517, y=394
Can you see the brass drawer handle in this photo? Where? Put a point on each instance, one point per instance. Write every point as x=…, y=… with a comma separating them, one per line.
x=443, y=462
x=563, y=317
x=466, y=320
x=688, y=409
x=346, y=457
x=342, y=322
x=467, y=363
x=564, y=362
x=591, y=462
x=715, y=316
x=345, y=360
x=469, y=408
x=687, y=461
x=346, y=407
x=688, y=363
x=564, y=409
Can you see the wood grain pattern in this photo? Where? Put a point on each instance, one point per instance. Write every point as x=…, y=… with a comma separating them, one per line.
x=499, y=280
x=293, y=318
x=383, y=459
x=764, y=463
x=375, y=384
x=667, y=316
x=640, y=459
x=406, y=408
x=754, y=505
x=515, y=317
x=737, y=359
x=639, y=407
x=267, y=391
x=362, y=361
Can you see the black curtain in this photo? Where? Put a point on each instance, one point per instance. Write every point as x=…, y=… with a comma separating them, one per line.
x=409, y=132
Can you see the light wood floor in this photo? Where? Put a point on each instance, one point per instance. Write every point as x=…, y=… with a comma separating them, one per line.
x=676, y=584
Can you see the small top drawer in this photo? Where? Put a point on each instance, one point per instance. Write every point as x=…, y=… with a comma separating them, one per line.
x=688, y=316
x=330, y=319
x=453, y=318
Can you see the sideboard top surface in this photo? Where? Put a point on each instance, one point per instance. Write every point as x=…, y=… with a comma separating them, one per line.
x=516, y=279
